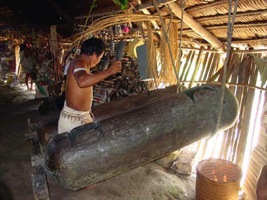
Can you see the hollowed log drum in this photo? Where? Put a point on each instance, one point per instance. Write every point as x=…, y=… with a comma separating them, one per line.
x=93, y=153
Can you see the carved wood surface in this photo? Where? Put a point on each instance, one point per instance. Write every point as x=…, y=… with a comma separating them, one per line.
x=138, y=136
x=47, y=128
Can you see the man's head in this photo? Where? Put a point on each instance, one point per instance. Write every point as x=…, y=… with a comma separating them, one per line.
x=93, y=45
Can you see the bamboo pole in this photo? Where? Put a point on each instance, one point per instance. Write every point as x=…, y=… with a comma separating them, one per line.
x=230, y=143
x=247, y=115
x=189, y=65
x=215, y=144
x=213, y=68
x=204, y=66
x=189, y=55
x=255, y=119
x=215, y=63
x=211, y=57
x=240, y=96
x=223, y=147
x=228, y=147
x=200, y=53
x=201, y=69
x=232, y=64
x=243, y=115
x=203, y=147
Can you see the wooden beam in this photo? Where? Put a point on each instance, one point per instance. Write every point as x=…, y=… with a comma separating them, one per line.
x=196, y=27
x=187, y=19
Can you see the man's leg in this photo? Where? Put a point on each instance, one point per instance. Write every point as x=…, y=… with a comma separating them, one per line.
x=27, y=80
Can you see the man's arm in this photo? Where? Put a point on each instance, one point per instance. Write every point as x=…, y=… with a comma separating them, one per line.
x=85, y=80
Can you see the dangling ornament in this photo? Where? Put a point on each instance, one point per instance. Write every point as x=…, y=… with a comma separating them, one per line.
x=126, y=30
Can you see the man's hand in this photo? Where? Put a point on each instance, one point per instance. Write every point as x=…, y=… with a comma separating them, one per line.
x=115, y=68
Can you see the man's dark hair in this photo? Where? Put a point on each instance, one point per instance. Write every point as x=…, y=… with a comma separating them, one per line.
x=93, y=45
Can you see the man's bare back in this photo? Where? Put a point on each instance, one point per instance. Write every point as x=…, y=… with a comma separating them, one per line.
x=77, y=97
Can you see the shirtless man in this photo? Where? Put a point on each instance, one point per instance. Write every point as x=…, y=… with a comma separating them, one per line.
x=79, y=85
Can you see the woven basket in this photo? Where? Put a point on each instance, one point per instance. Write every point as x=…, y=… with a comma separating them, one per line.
x=217, y=179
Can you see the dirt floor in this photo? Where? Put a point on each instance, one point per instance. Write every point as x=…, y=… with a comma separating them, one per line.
x=148, y=182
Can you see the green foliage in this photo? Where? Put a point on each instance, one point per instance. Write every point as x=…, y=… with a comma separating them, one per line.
x=122, y=3
x=94, y=5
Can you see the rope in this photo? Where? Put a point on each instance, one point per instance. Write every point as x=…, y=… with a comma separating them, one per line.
x=171, y=18
x=231, y=21
x=168, y=42
x=182, y=5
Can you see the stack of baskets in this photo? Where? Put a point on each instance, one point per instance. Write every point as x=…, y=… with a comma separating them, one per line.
x=217, y=179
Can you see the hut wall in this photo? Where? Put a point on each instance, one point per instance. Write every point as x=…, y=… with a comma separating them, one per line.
x=239, y=144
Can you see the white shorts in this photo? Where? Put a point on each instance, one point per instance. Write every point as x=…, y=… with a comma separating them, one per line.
x=70, y=118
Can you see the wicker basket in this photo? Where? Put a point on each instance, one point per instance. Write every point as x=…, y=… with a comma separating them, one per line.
x=217, y=179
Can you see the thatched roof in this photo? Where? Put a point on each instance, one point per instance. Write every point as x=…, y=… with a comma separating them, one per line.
x=210, y=16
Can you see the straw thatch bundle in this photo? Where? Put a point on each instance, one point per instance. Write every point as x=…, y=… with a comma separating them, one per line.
x=107, y=21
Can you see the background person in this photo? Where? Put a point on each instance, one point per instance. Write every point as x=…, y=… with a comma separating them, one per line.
x=28, y=65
